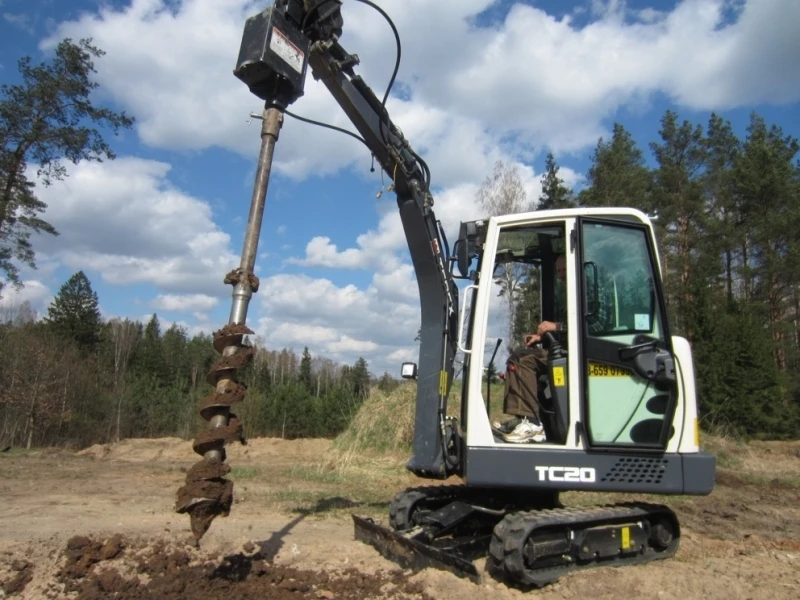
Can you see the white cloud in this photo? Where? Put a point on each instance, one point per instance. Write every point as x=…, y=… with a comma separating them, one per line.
x=342, y=323
x=398, y=285
x=529, y=82
x=36, y=293
x=125, y=220
x=402, y=355
x=753, y=61
x=320, y=252
x=184, y=302
x=377, y=249
x=22, y=21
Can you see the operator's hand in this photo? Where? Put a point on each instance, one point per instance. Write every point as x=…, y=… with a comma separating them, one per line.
x=546, y=326
x=531, y=339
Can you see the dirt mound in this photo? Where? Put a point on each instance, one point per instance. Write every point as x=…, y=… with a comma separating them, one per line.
x=21, y=574
x=138, y=570
x=141, y=450
x=178, y=450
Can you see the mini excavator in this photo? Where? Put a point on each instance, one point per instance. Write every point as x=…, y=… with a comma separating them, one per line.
x=618, y=403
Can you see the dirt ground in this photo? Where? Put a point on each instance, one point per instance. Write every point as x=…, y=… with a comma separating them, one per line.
x=100, y=524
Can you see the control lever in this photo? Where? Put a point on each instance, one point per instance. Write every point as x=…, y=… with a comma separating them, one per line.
x=489, y=379
x=554, y=347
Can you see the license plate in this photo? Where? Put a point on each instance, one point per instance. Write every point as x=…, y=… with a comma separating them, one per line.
x=598, y=370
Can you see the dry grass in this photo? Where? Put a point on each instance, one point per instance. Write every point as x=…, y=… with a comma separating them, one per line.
x=384, y=424
x=379, y=439
x=755, y=460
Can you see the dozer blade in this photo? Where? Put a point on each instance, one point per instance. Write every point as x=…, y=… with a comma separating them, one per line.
x=413, y=554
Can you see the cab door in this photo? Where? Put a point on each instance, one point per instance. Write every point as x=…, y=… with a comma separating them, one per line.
x=628, y=373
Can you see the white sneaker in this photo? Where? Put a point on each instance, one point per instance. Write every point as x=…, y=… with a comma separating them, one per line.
x=526, y=432
x=506, y=426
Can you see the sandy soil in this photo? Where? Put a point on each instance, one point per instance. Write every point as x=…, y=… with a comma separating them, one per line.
x=100, y=524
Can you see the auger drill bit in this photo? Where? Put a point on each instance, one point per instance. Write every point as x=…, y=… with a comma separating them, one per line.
x=207, y=493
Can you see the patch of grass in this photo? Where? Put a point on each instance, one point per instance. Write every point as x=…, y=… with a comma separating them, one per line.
x=292, y=496
x=726, y=460
x=361, y=479
x=316, y=474
x=785, y=482
x=19, y=452
x=243, y=473
x=320, y=502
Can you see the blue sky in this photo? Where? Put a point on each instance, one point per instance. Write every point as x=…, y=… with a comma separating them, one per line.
x=157, y=229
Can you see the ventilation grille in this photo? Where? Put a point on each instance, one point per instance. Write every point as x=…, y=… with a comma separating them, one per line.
x=637, y=470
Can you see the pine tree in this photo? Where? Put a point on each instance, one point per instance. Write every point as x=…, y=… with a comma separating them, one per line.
x=305, y=376
x=766, y=183
x=200, y=356
x=554, y=193
x=726, y=227
x=47, y=119
x=149, y=357
x=360, y=376
x=618, y=175
x=173, y=345
x=74, y=312
x=681, y=205
x=387, y=383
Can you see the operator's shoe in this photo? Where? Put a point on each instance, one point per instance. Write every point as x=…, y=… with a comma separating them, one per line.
x=526, y=432
x=503, y=427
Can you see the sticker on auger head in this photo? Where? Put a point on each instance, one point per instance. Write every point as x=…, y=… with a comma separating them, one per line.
x=290, y=53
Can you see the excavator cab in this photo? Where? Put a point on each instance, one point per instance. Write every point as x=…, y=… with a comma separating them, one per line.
x=615, y=380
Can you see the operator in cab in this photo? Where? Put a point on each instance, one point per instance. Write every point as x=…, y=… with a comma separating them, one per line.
x=523, y=368
x=523, y=393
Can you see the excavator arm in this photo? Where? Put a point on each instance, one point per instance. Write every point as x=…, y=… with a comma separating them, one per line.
x=278, y=47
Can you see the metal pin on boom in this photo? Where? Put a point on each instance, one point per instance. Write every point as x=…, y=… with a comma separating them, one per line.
x=206, y=493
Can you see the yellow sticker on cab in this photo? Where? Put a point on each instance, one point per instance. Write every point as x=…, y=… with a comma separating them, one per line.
x=601, y=370
x=626, y=538
x=558, y=376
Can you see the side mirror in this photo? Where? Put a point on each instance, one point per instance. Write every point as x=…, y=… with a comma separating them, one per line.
x=462, y=257
x=465, y=247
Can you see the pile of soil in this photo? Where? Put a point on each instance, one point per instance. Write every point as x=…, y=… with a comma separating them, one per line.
x=21, y=574
x=129, y=569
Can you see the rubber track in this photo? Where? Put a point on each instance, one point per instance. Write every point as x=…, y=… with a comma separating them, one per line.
x=507, y=549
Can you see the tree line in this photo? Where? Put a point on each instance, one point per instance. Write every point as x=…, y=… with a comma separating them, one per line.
x=73, y=379
x=727, y=211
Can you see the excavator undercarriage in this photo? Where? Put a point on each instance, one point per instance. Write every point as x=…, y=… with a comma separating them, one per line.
x=529, y=540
